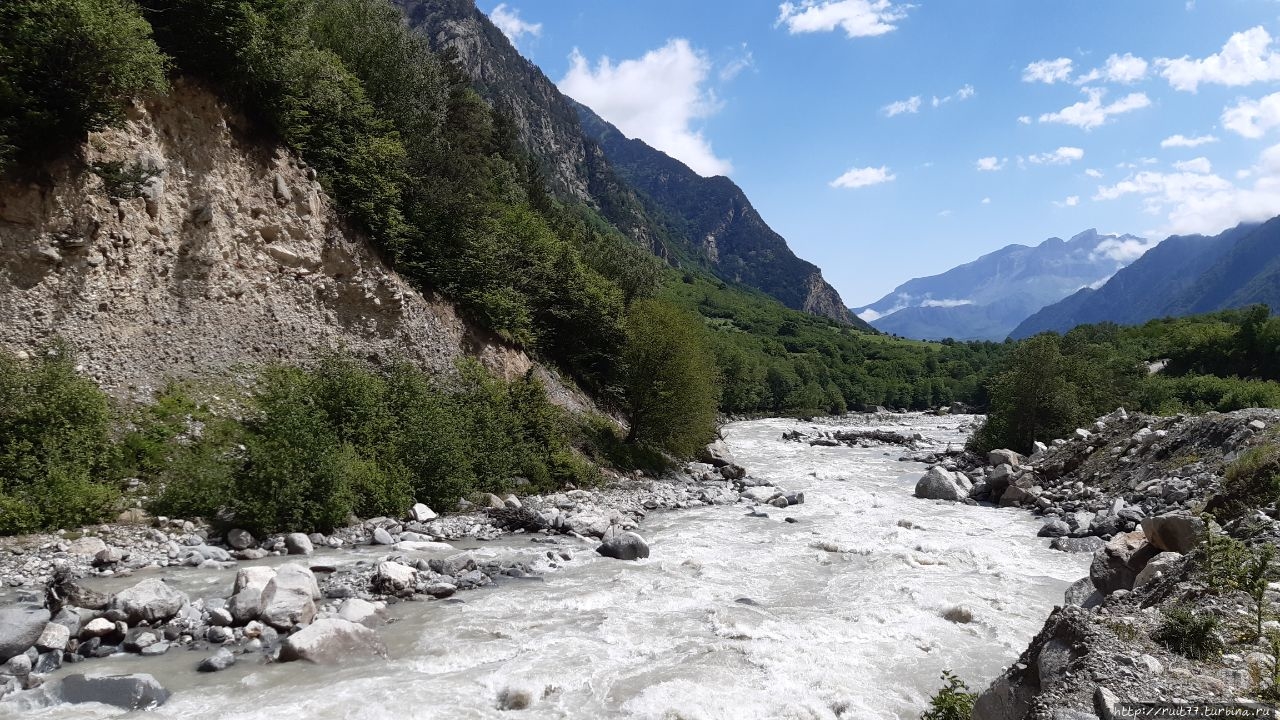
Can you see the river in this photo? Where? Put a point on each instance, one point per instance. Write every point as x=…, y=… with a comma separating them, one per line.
x=839, y=614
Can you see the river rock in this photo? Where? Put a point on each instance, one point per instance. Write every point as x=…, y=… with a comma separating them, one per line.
x=86, y=546
x=1177, y=532
x=624, y=546
x=54, y=637
x=393, y=578
x=220, y=660
x=298, y=544
x=1054, y=528
x=131, y=692
x=423, y=546
x=97, y=627
x=717, y=454
x=761, y=494
x=1116, y=565
x=939, y=484
x=151, y=601
x=331, y=640
x=20, y=628
x=422, y=513
x=1083, y=593
x=382, y=537
x=441, y=590
x=361, y=612
x=239, y=539
x=1077, y=545
x=995, y=458
x=289, y=598
x=1157, y=567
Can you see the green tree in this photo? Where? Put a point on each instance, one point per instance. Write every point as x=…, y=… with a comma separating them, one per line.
x=671, y=379
x=1033, y=399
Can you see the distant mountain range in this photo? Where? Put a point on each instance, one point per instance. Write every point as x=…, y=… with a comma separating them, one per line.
x=986, y=299
x=1184, y=275
x=658, y=201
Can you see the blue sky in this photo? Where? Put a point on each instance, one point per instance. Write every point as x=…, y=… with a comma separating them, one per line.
x=890, y=140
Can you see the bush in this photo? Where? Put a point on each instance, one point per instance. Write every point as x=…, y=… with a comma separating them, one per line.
x=68, y=67
x=1192, y=634
x=953, y=701
x=1251, y=482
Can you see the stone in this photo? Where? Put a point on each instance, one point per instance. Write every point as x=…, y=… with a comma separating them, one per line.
x=493, y=502
x=1157, y=567
x=393, y=578
x=1177, y=532
x=779, y=502
x=47, y=662
x=1083, y=594
x=87, y=546
x=289, y=598
x=762, y=494
x=131, y=692
x=139, y=638
x=361, y=612
x=221, y=617
x=421, y=546
x=514, y=699
x=732, y=472
x=298, y=544
x=97, y=627
x=239, y=539
x=513, y=502
x=441, y=591
x=151, y=601
x=18, y=666
x=996, y=458
x=219, y=634
x=1105, y=704
x=220, y=660
x=1054, y=528
x=330, y=641
x=108, y=556
x=20, y=628
x=1052, y=661
x=382, y=537
x=422, y=513
x=1077, y=545
x=159, y=648
x=717, y=454
x=624, y=546
x=1116, y=565
x=1257, y=425
x=53, y=637
x=939, y=484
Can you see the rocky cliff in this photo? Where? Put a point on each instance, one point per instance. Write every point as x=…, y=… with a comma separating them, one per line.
x=180, y=245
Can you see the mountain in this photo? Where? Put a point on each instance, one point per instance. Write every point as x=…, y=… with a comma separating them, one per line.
x=653, y=198
x=987, y=298
x=1184, y=275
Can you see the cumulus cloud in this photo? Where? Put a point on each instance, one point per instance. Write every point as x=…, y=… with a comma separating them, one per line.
x=945, y=303
x=991, y=164
x=1061, y=156
x=1246, y=58
x=870, y=315
x=656, y=98
x=1093, y=173
x=1187, y=142
x=1070, y=201
x=986, y=201
x=1124, y=69
x=1194, y=165
x=1124, y=249
x=863, y=177
x=1048, y=71
x=964, y=93
x=858, y=18
x=1191, y=201
x=508, y=20
x=1253, y=118
x=910, y=105
x=1024, y=119
x=734, y=67
x=1091, y=113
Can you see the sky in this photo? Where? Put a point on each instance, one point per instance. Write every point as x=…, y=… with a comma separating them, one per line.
x=888, y=140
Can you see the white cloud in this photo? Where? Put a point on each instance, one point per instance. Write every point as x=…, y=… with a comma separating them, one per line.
x=1253, y=118
x=1203, y=202
x=656, y=98
x=1091, y=113
x=1194, y=165
x=945, y=303
x=991, y=164
x=863, y=177
x=986, y=201
x=944, y=213
x=1187, y=142
x=1024, y=119
x=1093, y=173
x=510, y=23
x=1070, y=201
x=910, y=105
x=1061, y=156
x=1124, y=249
x=964, y=93
x=735, y=66
x=1125, y=69
x=1246, y=58
x=1048, y=71
x=858, y=18
x=870, y=315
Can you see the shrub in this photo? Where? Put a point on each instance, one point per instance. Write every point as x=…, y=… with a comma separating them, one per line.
x=122, y=180
x=953, y=701
x=1251, y=482
x=67, y=67
x=1192, y=634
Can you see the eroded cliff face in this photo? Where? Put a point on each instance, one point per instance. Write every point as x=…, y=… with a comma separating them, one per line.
x=232, y=256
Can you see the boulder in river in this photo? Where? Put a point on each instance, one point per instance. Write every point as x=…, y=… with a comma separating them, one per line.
x=422, y=513
x=939, y=484
x=289, y=598
x=393, y=578
x=717, y=454
x=298, y=544
x=220, y=660
x=239, y=539
x=624, y=546
x=20, y=628
x=330, y=641
x=151, y=601
x=131, y=692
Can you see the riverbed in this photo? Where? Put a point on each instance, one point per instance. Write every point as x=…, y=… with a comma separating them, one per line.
x=853, y=610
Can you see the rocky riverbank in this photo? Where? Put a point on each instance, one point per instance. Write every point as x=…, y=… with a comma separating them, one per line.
x=290, y=597
x=1131, y=490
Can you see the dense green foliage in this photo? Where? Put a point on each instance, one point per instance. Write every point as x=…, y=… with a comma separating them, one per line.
x=1189, y=633
x=953, y=701
x=1050, y=385
x=68, y=67
x=54, y=445
x=1251, y=481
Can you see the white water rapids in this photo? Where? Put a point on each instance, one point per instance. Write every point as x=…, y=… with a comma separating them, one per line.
x=858, y=631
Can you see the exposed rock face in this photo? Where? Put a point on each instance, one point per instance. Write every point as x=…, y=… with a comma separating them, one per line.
x=233, y=257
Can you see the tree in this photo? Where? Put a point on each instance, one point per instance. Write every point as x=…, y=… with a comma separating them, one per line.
x=1033, y=399
x=672, y=385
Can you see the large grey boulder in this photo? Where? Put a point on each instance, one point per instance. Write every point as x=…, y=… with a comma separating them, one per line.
x=289, y=598
x=246, y=603
x=996, y=458
x=624, y=546
x=382, y=537
x=239, y=539
x=1177, y=532
x=298, y=544
x=1053, y=528
x=1083, y=593
x=1077, y=545
x=422, y=513
x=939, y=484
x=20, y=628
x=330, y=641
x=53, y=638
x=393, y=578
x=361, y=612
x=717, y=454
x=1116, y=565
x=151, y=601
x=1157, y=567
x=131, y=692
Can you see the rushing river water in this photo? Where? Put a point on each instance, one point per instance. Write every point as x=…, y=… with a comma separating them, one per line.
x=731, y=617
